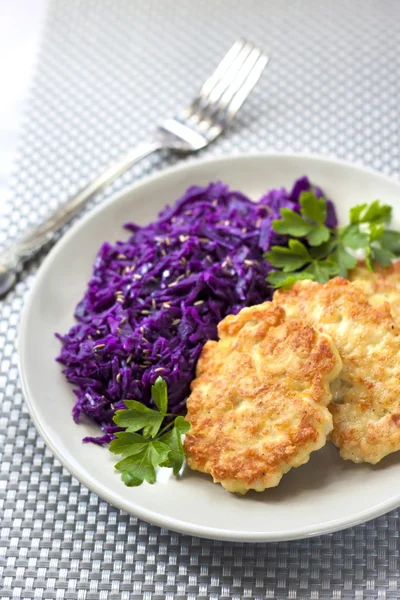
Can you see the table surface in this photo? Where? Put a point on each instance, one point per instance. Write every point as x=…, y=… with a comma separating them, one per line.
x=21, y=25
x=106, y=73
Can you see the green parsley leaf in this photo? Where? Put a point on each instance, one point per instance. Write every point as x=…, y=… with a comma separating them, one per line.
x=381, y=255
x=291, y=224
x=181, y=424
x=289, y=259
x=319, y=235
x=160, y=395
x=356, y=213
x=285, y=280
x=378, y=213
x=142, y=466
x=354, y=238
x=325, y=249
x=127, y=443
x=173, y=440
x=375, y=232
x=371, y=213
x=144, y=453
x=310, y=223
x=139, y=417
x=391, y=240
x=130, y=480
x=345, y=261
x=313, y=208
x=323, y=270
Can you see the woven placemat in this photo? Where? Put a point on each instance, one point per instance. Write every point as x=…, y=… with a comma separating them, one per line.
x=108, y=71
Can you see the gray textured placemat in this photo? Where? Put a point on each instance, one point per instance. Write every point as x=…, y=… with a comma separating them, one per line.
x=108, y=70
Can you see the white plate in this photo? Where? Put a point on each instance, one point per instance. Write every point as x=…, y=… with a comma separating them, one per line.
x=325, y=495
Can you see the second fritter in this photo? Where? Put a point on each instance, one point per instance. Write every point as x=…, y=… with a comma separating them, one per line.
x=381, y=285
x=366, y=396
x=258, y=403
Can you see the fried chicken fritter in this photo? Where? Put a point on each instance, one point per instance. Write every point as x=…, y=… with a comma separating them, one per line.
x=380, y=285
x=258, y=403
x=366, y=396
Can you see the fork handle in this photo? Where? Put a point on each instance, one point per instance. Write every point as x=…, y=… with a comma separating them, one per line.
x=36, y=238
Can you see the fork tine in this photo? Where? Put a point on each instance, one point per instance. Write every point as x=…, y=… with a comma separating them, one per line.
x=239, y=80
x=246, y=88
x=215, y=77
x=228, y=77
x=221, y=68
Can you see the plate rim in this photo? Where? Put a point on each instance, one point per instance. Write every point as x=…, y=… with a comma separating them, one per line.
x=102, y=490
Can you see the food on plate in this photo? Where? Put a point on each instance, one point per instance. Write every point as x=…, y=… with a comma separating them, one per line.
x=204, y=268
x=155, y=299
x=258, y=405
x=380, y=285
x=366, y=396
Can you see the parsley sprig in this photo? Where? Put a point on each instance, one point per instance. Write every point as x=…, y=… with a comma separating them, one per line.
x=318, y=252
x=155, y=446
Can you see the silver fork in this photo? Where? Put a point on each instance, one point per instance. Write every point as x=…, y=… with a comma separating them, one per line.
x=193, y=129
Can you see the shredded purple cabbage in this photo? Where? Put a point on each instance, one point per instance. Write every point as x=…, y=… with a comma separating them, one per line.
x=155, y=299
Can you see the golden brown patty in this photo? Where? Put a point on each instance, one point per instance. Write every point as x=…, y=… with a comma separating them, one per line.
x=380, y=285
x=366, y=396
x=258, y=403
